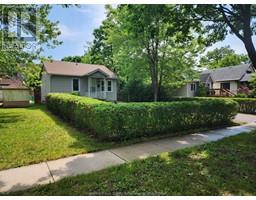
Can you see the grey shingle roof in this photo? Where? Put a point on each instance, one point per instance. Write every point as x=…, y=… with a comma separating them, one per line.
x=226, y=73
x=75, y=69
x=246, y=77
x=204, y=77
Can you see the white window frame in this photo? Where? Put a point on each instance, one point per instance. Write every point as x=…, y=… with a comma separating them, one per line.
x=111, y=86
x=73, y=84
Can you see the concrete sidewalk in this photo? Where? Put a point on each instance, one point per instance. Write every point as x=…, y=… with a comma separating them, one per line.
x=51, y=171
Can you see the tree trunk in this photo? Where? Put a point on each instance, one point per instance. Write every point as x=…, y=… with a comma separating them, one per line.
x=37, y=95
x=247, y=39
x=155, y=89
x=250, y=50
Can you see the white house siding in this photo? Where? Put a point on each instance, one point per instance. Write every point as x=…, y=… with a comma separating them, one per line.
x=46, y=86
x=84, y=86
x=185, y=91
x=216, y=85
x=63, y=84
x=233, y=86
x=181, y=92
x=112, y=96
x=97, y=75
x=190, y=93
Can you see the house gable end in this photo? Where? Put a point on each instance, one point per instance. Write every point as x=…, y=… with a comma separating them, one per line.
x=97, y=74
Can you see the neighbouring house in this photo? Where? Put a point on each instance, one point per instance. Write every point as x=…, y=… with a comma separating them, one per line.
x=13, y=93
x=187, y=90
x=226, y=81
x=223, y=81
x=96, y=81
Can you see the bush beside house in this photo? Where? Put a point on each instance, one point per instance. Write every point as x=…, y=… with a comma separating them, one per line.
x=130, y=120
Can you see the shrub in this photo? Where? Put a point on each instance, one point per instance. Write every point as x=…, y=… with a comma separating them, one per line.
x=240, y=95
x=135, y=91
x=246, y=105
x=138, y=91
x=130, y=120
x=244, y=91
x=202, y=90
x=75, y=93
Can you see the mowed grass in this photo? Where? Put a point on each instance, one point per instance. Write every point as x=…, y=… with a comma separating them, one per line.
x=30, y=135
x=225, y=167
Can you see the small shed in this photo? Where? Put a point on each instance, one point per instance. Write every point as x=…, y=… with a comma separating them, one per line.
x=13, y=93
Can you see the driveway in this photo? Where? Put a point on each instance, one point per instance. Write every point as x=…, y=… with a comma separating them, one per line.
x=245, y=118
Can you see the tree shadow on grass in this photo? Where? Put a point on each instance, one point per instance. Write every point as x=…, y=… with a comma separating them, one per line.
x=83, y=139
x=225, y=167
x=8, y=118
x=218, y=168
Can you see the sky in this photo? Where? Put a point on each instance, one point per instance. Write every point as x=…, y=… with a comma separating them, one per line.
x=77, y=24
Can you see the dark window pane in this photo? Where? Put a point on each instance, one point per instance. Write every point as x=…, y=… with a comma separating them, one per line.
x=193, y=87
x=109, y=86
x=75, y=85
x=102, y=86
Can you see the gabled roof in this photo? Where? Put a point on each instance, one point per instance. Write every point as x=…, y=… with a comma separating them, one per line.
x=204, y=77
x=246, y=78
x=232, y=73
x=76, y=69
x=11, y=83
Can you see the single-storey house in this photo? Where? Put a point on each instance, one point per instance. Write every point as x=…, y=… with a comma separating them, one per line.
x=227, y=79
x=224, y=81
x=13, y=93
x=187, y=90
x=96, y=81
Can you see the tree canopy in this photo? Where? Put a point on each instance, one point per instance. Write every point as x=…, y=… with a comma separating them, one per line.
x=147, y=42
x=221, y=19
x=222, y=57
x=77, y=59
x=44, y=30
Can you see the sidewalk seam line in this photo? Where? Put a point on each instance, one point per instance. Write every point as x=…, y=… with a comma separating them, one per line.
x=118, y=156
x=50, y=171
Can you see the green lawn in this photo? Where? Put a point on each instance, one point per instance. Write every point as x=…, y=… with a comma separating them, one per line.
x=30, y=135
x=225, y=167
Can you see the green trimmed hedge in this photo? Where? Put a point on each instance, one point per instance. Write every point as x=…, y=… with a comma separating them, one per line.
x=246, y=105
x=129, y=120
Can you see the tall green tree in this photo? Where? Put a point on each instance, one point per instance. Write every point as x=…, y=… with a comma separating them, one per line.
x=149, y=41
x=221, y=19
x=100, y=51
x=77, y=59
x=222, y=57
x=31, y=74
x=44, y=30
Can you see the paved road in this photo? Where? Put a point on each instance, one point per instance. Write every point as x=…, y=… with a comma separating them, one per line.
x=51, y=171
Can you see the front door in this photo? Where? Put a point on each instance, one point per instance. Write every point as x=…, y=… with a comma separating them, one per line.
x=97, y=88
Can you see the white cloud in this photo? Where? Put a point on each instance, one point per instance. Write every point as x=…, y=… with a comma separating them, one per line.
x=95, y=12
x=67, y=33
x=84, y=10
